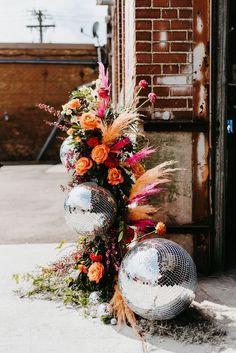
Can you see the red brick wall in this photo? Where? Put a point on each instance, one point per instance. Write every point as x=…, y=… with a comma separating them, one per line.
x=22, y=86
x=163, y=53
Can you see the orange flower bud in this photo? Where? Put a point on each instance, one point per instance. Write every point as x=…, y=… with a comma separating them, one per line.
x=74, y=104
x=160, y=228
x=70, y=131
x=138, y=170
x=82, y=268
x=77, y=139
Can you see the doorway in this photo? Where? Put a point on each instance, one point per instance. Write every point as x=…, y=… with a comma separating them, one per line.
x=230, y=205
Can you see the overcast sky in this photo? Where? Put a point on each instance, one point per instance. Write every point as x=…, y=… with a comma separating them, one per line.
x=68, y=16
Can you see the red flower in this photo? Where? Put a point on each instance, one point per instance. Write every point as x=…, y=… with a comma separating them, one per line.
x=95, y=258
x=143, y=84
x=103, y=92
x=92, y=141
x=152, y=97
x=111, y=162
x=129, y=236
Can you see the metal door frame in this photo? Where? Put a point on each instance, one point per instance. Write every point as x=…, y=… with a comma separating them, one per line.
x=219, y=55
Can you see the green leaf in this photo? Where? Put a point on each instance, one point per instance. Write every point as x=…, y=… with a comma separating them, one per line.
x=120, y=236
x=16, y=277
x=62, y=242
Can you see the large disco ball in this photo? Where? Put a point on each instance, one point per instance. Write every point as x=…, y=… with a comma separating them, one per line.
x=157, y=279
x=66, y=147
x=89, y=209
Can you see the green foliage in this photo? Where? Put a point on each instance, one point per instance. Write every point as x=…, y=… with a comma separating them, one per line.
x=106, y=319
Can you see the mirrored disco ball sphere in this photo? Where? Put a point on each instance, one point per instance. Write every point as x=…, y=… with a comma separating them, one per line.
x=64, y=149
x=89, y=209
x=157, y=279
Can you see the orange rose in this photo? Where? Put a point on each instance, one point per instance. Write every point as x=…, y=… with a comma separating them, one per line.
x=82, y=268
x=100, y=153
x=114, y=176
x=138, y=170
x=70, y=131
x=83, y=165
x=160, y=228
x=89, y=121
x=74, y=104
x=95, y=272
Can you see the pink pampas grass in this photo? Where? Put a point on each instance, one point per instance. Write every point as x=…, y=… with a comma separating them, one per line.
x=144, y=153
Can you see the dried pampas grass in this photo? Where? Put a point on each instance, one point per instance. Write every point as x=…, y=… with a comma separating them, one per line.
x=141, y=212
x=113, y=131
x=158, y=174
x=121, y=311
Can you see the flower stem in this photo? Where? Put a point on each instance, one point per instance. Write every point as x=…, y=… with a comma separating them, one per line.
x=141, y=236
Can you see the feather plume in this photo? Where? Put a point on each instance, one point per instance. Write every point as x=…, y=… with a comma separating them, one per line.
x=142, y=224
x=141, y=212
x=146, y=192
x=144, y=153
x=156, y=174
x=119, y=145
x=121, y=311
x=113, y=131
x=103, y=75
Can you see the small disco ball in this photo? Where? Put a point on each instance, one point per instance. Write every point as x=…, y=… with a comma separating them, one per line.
x=90, y=209
x=157, y=279
x=66, y=147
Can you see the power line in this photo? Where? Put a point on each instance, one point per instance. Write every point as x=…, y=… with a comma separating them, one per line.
x=41, y=27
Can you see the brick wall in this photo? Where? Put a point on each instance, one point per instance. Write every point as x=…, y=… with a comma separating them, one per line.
x=162, y=55
x=23, y=85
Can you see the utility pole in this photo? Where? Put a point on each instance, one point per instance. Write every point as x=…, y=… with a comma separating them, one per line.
x=40, y=17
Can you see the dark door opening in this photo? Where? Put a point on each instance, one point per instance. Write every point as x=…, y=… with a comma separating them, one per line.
x=230, y=239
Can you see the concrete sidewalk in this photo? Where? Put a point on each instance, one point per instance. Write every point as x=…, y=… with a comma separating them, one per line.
x=36, y=326
x=31, y=204
x=31, y=211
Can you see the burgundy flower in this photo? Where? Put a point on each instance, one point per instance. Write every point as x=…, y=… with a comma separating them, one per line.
x=112, y=162
x=152, y=97
x=103, y=92
x=129, y=236
x=95, y=258
x=92, y=141
x=143, y=84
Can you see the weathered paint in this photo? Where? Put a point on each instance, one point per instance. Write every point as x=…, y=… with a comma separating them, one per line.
x=200, y=178
x=201, y=30
x=175, y=204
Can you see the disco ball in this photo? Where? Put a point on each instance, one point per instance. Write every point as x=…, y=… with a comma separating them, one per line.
x=89, y=209
x=66, y=147
x=157, y=279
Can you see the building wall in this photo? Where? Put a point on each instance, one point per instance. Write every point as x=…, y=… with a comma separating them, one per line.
x=25, y=82
x=166, y=42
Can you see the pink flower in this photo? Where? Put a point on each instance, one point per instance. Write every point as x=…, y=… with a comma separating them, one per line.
x=143, y=84
x=103, y=92
x=103, y=75
x=152, y=97
x=101, y=110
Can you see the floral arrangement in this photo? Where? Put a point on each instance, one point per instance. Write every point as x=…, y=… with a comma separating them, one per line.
x=107, y=148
